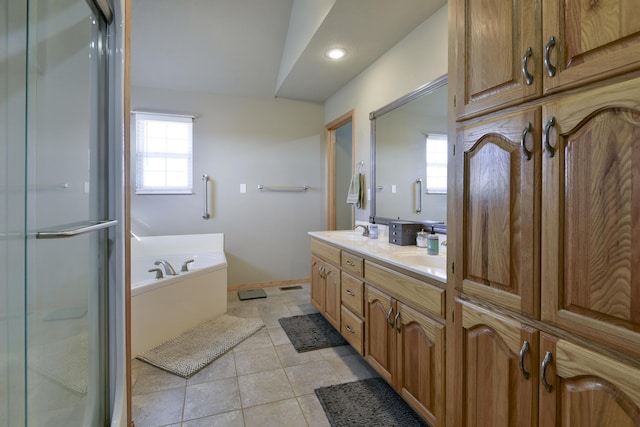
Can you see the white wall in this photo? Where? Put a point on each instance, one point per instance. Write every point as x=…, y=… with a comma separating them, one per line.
x=419, y=58
x=239, y=140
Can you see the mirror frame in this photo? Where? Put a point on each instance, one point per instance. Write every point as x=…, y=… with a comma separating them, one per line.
x=419, y=92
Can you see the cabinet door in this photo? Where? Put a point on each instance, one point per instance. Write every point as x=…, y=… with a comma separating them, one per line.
x=586, y=389
x=591, y=215
x=498, y=388
x=493, y=41
x=499, y=200
x=593, y=40
x=379, y=336
x=317, y=283
x=420, y=363
x=332, y=295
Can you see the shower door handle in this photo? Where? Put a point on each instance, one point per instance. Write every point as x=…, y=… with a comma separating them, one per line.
x=419, y=195
x=205, y=211
x=76, y=229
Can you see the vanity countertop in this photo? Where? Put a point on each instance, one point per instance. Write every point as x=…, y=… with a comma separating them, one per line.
x=410, y=258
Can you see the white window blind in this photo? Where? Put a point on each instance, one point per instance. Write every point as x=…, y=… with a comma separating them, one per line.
x=436, y=164
x=164, y=160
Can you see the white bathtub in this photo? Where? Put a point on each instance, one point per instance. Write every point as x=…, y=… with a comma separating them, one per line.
x=164, y=308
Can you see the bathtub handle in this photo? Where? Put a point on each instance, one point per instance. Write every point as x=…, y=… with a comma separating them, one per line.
x=185, y=265
x=205, y=180
x=158, y=273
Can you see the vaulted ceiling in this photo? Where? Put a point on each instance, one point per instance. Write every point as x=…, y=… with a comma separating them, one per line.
x=265, y=48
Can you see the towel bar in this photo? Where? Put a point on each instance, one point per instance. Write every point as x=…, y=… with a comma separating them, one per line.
x=286, y=188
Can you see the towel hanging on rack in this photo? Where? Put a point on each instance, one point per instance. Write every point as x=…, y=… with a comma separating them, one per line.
x=355, y=195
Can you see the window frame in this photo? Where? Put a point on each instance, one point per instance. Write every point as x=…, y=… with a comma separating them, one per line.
x=143, y=153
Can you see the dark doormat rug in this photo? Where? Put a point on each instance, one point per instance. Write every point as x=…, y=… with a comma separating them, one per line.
x=370, y=402
x=311, y=332
x=251, y=294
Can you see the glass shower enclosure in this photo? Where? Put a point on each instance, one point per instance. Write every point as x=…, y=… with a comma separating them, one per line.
x=60, y=197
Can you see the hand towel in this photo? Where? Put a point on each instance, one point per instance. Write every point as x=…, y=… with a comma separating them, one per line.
x=353, y=196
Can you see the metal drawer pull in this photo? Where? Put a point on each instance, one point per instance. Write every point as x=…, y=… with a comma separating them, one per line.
x=525, y=151
x=350, y=293
x=397, y=322
x=350, y=329
x=551, y=69
x=523, y=351
x=350, y=263
x=548, y=358
x=547, y=146
x=76, y=229
x=528, y=78
x=389, y=318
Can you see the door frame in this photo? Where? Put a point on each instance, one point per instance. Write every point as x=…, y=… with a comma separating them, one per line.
x=330, y=144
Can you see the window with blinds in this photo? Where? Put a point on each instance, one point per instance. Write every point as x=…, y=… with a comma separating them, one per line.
x=436, y=182
x=164, y=160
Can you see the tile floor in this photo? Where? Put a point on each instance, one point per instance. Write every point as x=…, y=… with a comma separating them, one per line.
x=262, y=382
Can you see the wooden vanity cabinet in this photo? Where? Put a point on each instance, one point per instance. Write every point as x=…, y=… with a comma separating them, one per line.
x=325, y=290
x=407, y=349
x=497, y=370
x=584, y=41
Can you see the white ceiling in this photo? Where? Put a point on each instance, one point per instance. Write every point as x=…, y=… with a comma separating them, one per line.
x=236, y=47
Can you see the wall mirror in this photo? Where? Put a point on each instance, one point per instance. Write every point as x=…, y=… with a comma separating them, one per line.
x=409, y=157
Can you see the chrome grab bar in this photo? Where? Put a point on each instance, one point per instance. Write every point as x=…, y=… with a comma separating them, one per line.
x=205, y=180
x=76, y=229
x=274, y=188
x=419, y=198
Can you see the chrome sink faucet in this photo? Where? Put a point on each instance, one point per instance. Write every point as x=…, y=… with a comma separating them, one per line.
x=168, y=269
x=365, y=231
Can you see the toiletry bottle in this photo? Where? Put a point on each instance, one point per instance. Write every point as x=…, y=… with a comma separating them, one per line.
x=373, y=231
x=421, y=239
x=433, y=244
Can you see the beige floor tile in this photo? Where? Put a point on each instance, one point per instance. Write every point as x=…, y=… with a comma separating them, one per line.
x=258, y=340
x=228, y=419
x=212, y=398
x=223, y=367
x=158, y=409
x=278, y=414
x=351, y=368
x=264, y=387
x=305, y=378
x=256, y=360
x=278, y=335
x=151, y=379
x=312, y=410
x=339, y=351
x=290, y=357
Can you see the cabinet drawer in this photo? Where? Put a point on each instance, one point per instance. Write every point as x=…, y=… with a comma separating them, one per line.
x=418, y=294
x=352, y=329
x=352, y=263
x=352, y=293
x=328, y=252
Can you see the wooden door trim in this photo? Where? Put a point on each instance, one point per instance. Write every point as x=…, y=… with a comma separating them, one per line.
x=330, y=138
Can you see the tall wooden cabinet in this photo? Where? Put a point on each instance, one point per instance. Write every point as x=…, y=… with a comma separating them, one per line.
x=545, y=214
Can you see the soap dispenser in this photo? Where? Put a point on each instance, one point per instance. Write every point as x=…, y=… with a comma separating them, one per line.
x=433, y=243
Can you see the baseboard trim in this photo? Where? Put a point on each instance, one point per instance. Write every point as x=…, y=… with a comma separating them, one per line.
x=242, y=287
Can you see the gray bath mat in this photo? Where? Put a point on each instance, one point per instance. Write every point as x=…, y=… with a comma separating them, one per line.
x=251, y=294
x=311, y=332
x=188, y=353
x=370, y=402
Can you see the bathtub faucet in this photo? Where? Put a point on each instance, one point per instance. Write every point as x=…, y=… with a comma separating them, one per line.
x=157, y=271
x=168, y=269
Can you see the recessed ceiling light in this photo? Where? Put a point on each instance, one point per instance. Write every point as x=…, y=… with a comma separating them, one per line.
x=335, y=53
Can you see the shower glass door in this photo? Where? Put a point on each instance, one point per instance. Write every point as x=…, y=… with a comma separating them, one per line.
x=67, y=228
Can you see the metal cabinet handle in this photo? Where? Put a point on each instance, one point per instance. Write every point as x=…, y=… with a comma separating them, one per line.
x=551, y=69
x=548, y=358
x=547, y=146
x=528, y=78
x=525, y=152
x=389, y=319
x=350, y=293
x=76, y=229
x=523, y=351
x=396, y=320
x=350, y=329
x=350, y=263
